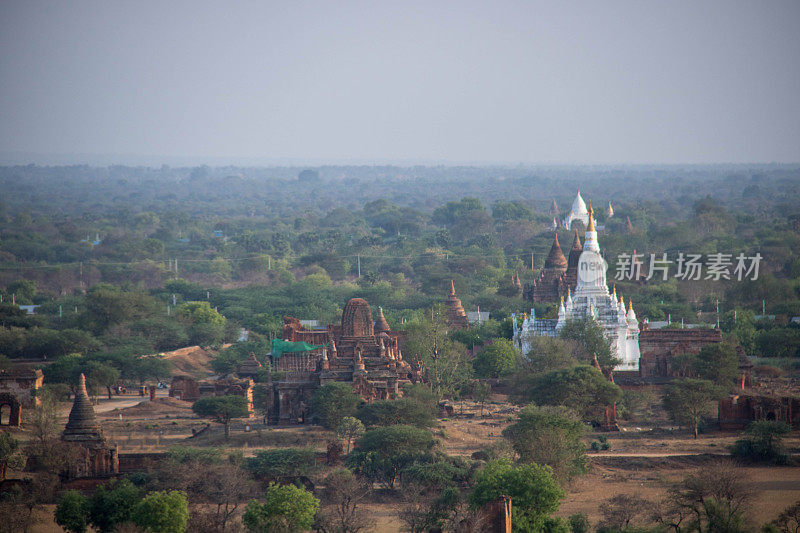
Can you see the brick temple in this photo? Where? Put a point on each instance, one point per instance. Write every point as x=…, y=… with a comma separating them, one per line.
x=558, y=276
x=359, y=351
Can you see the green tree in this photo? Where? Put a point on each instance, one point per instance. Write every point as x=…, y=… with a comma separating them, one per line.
x=582, y=388
x=687, y=401
x=534, y=493
x=481, y=391
x=162, y=512
x=548, y=354
x=222, y=409
x=65, y=369
x=201, y=313
x=349, y=428
x=590, y=341
x=550, y=436
x=107, y=305
x=332, y=402
x=394, y=412
x=449, y=368
x=505, y=211
x=112, y=505
x=497, y=359
x=10, y=454
x=101, y=375
x=72, y=512
x=763, y=442
x=381, y=453
x=23, y=289
x=206, y=333
x=718, y=363
x=285, y=508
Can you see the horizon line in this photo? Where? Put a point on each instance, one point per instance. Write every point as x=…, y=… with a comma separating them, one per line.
x=24, y=158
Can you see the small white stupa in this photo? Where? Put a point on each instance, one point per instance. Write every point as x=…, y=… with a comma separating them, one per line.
x=578, y=212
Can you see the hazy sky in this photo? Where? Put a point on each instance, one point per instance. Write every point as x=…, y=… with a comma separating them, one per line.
x=533, y=82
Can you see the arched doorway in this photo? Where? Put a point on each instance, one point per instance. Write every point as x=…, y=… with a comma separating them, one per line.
x=10, y=405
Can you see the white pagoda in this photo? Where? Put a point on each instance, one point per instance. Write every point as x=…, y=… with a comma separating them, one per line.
x=591, y=300
x=578, y=212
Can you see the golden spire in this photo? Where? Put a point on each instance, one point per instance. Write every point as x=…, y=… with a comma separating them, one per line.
x=590, y=227
x=562, y=301
x=452, y=288
x=630, y=305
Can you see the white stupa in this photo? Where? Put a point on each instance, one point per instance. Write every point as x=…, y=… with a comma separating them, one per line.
x=591, y=300
x=578, y=212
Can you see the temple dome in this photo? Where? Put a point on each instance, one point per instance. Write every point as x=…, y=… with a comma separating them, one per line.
x=579, y=206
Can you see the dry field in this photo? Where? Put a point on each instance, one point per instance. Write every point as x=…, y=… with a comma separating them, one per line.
x=642, y=460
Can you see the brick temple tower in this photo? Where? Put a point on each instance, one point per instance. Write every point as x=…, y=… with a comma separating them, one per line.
x=95, y=456
x=456, y=316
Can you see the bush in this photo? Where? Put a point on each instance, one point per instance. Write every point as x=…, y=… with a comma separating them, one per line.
x=285, y=508
x=497, y=359
x=551, y=436
x=71, y=512
x=162, y=512
x=383, y=452
x=762, y=443
x=579, y=523
x=286, y=464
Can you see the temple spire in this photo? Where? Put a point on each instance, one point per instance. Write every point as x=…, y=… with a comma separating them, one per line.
x=82, y=424
x=82, y=384
x=590, y=227
x=381, y=324
x=456, y=316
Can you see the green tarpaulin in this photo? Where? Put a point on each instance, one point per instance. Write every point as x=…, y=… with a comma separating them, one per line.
x=280, y=347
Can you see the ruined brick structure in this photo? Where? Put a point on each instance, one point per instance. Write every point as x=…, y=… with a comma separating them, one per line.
x=359, y=352
x=94, y=455
x=456, y=316
x=659, y=346
x=184, y=388
x=189, y=389
x=17, y=391
x=737, y=411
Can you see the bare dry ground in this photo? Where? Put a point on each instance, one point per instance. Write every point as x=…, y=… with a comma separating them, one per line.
x=642, y=460
x=191, y=361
